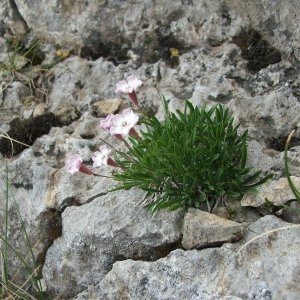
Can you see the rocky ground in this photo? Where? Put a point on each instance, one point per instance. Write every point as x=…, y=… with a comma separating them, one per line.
x=59, y=63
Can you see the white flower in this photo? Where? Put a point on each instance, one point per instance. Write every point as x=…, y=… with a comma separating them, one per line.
x=128, y=86
x=122, y=123
x=74, y=163
x=107, y=122
x=101, y=157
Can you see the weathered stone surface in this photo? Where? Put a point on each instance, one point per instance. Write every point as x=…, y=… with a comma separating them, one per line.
x=202, y=230
x=14, y=93
x=228, y=52
x=277, y=192
x=265, y=159
x=260, y=114
x=127, y=25
x=265, y=271
x=108, y=229
x=106, y=107
x=293, y=160
x=263, y=268
x=292, y=213
x=28, y=188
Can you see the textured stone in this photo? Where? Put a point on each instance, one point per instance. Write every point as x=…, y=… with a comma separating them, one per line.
x=106, y=107
x=292, y=213
x=277, y=192
x=95, y=235
x=91, y=24
x=28, y=188
x=40, y=109
x=201, y=230
x=260, y=114
x=223, y=49
x=266, y=267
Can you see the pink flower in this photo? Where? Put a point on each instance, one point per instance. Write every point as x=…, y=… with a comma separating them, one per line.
x=107, y=122
x=123, y=124
x=129, y=87
x=74, y=165
x=102, y=157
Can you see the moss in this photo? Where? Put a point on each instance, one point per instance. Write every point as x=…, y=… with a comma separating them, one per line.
x=278, y=143
x=27, y=131
x=258, y=52
x=114, y=51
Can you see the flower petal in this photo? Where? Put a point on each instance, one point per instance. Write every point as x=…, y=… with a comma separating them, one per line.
x=100, y=157
x=73, y=163
x=122, y=123
x=134, y=82
x=123, y=87
x=107, y=122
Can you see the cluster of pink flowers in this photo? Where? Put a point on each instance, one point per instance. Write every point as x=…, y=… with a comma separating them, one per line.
x=120, y=126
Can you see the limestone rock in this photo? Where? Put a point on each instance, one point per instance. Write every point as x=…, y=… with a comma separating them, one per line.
x=40, y=109
x=260, y=114
x=202, y=229
x=265, y=271
x=95, y=235
x=264, y=159
x=107, y=41
x=106, y=107
x=90, y=25
x=266, y=267
x=292, y=213
x=277, y=192
x=293, y=160
x=28, y=188
x=14, y=93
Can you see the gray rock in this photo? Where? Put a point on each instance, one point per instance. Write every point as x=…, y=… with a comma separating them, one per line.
x=293, y=160
x=127, y=25
x=120, y=38
x=202, y=230
x=264, y=159
x=265, y=265
x=28, y=189
x=106, y=107
x=11, y=20
x=261, y=291
x=14, y=93
x=264, y=271
x=277, y=192
x=261, y=116
x=292, y=213
x=108, y=229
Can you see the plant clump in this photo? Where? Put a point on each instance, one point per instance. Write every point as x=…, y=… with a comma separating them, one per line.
x=192, y=158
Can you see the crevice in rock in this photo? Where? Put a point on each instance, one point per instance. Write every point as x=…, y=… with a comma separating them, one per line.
x=278, y=143
x=69, y=201
x=114, y=51
x=51, y=225
x=161, y=44
x=146, y=253
x=27, y=131
x=156, y=253
x=72, y=201
x=16, y=15
x=51, y=228
x=258, y=52
x=26, y=186
x=94, y=197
